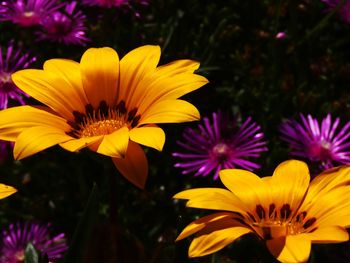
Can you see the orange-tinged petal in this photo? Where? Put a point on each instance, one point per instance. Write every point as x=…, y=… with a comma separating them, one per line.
x=115, y=144
x=335, y=208
x=216, y=240
x=247, y=186
x=6, y=191
x=68, y=71
x=149, y=136
x=15, y=120
x=200, y=223
x=36, y=139
x=170, y=111
x=52, y=89
x=296, y=249
x=134, y=66
x=77, y=144
x=329, y=234
x=161, y=87
x=100, y=75
x=134, y=167
x=178, y=66
x=211, y=198
x=327, y=181
x=289, y=183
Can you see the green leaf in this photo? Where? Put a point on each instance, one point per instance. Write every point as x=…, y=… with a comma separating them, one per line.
x=82, y=232
x=31, y=255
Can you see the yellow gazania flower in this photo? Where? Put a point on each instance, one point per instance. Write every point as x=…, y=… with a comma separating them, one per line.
x=103, y=103
x=6, y=191
x=284, y=210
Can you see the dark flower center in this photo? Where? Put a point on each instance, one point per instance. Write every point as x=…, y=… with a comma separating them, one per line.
x=320, y=151
x=221, y=151
x=274, y=222
x=103, y=120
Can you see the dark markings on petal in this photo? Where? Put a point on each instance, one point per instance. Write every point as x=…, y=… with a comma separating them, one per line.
x=73, y=124
x=135, y=121
x=89, y=110
x=132, y=114
x=260, y=211
x=309, y=222
x=272, y=210
x=103, y=108
x=121, y=107
x=78, y=116
x=251, y=216
x=300, y=217
x=285, y=211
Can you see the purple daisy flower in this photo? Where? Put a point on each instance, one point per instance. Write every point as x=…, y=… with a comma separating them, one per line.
x=10, y=61
x=220, y=144
x=344, y=10
x=16, y=238
x=327, y=143
x=65, y=27
x=27, y=12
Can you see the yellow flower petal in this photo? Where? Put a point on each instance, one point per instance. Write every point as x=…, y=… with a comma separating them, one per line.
x=335, y=208
x=6, y=191
x=15, y=120
x=296, y=249
x=77, y=144
x=161, y=87
x=216, y=240
x=247, y=186
x=36, y=139
x=327, y=181
x=200, y=223
x=100, y=75
x=52, y=89
x=211, y=198
x=115, y=144
x=69, y=72
x=149, y=136
x=178, y=67
x=289, y=183
x=328, y=234
x=134, y=66
x=134, y=167
x=170, y=111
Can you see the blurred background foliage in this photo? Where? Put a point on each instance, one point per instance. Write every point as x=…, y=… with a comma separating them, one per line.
x=251, y=73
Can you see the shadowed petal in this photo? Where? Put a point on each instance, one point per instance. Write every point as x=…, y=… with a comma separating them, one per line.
x=200, y=223
x=215, y=240
x=52, y=89
x=134, y=66
x=290, y=182
x=134, y=167
x=100, y=75
x=115, y=144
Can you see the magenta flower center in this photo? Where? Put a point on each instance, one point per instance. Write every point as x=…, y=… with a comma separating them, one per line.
x=29, y=18
x=4, y=78
x=320, y=150
x=221, y=151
